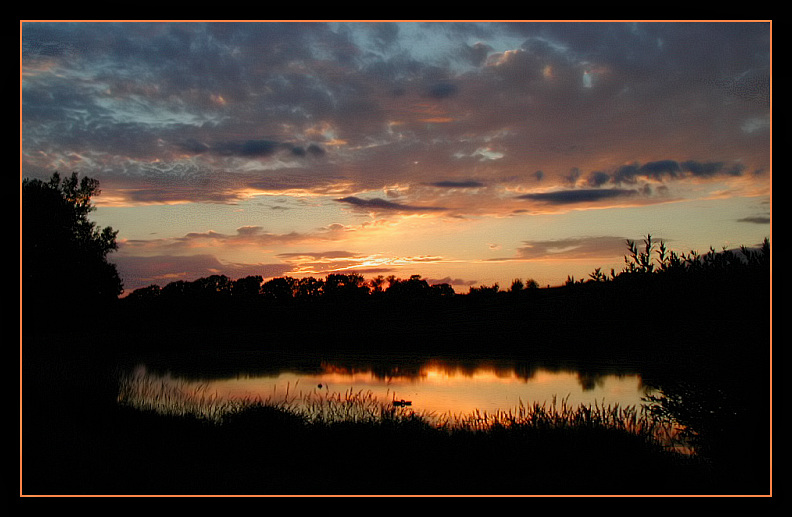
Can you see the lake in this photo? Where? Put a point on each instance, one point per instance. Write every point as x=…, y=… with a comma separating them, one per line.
x=431, y=386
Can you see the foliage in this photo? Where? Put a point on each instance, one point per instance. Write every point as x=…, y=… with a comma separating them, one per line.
x=64, y=254
x=484, y=290
x=712, y=263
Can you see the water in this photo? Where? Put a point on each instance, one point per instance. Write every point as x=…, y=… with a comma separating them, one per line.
x=434, y=386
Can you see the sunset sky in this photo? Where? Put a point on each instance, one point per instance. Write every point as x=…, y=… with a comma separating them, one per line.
x=467, y=153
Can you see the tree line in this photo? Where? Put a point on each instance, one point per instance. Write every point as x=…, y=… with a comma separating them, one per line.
x=336, y=286
x=654, y=261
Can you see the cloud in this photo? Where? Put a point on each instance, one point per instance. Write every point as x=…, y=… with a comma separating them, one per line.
x=450, y=281
x=256, y=148
x=661, y=170
x=316, y=256
x=155, y=103
x=606, y=247
x=382, y=205
x=457, y=184
x=246, y=238
x=138, y=272
x=443, y=90
x=755, y=220
x=565, y=197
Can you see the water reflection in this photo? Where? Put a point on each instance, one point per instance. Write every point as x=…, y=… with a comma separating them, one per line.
x=432, y=386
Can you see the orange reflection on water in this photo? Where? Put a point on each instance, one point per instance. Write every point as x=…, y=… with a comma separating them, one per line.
x=434, y=388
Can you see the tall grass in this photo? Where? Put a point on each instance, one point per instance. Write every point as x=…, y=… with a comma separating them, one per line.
x=560, y=415
x=177, y=398
x=319, y=407
x=164, y=396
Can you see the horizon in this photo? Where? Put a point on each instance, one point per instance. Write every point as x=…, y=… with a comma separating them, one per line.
x=466, y=153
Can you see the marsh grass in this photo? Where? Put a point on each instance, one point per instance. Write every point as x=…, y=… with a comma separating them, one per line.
x=166, y=397
x=316, y=407
x=321, y=407
x=559, y=415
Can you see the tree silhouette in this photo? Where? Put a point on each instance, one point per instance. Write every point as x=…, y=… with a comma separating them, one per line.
x=309, y=288
x=280, y=289
x=442, y=290
x=414, y=287
x=247, y=288
x=347, y=287
x=376, y=284
x=64, y=254
x=517, y=285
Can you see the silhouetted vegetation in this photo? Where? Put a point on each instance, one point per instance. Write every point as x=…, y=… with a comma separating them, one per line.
x=697, y=327
x=64, y=255
x=353, y=444
x=691, y=300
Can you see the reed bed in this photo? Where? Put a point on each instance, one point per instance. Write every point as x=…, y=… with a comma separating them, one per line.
x=560, y=415
x=318, y=407
x=177, y=398
x=360, y=407
x=163, y=396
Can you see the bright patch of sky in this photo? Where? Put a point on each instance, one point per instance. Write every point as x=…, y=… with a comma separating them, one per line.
x=430, y=43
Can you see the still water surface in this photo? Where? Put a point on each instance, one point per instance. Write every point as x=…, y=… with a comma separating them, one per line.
x=433, y=387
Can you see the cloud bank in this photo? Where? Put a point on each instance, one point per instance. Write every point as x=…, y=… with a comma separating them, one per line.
x=458, y=121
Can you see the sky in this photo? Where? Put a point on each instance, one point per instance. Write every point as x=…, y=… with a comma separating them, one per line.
x=469, y=153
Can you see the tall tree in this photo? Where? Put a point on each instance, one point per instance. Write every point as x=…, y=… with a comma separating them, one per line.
x=64, y=254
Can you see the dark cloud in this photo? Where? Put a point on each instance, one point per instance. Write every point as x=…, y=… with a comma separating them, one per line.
x=477, y=53
x=316, y=150
x=443, y=90
x=707, y=169
x=193, y=146
x=662, y=170
x=259, y=148
x=457, y=184
x=564, y=197
x=659, y=169
x=248, y=148
x=254, y=148
x=378, y=204
x=755, y=220
x=301, y=151
x=597, y=179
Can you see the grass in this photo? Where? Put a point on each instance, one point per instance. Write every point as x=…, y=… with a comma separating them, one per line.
x=174, y=439
x=352, y=443
x=272, y=446
x=323, y=407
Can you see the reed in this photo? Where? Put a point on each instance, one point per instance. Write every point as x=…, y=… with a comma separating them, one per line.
x=146, y=393
x=560, y=415
x=317, y=408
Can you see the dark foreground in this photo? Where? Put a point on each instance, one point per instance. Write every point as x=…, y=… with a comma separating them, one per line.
x=78, y=441
x=705, y=344
x=267, y=452
x=81, y=443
